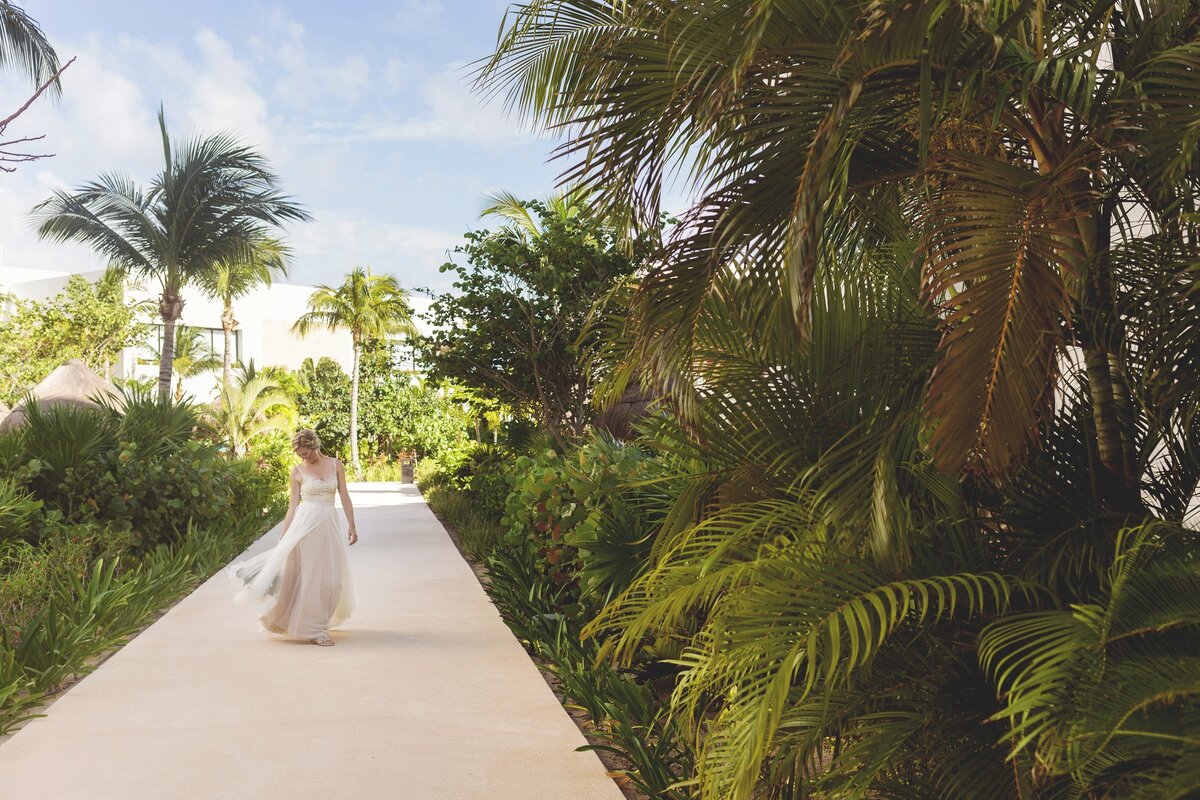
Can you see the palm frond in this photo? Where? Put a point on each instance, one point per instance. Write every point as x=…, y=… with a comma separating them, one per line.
x=24, y=46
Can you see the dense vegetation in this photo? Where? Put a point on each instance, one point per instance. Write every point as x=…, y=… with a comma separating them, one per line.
x=107, y=515
x=918, y=515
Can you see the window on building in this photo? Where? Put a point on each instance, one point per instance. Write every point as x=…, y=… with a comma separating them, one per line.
x=212, y=338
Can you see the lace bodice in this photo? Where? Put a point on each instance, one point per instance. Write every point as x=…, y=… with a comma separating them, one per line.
x=317, y=490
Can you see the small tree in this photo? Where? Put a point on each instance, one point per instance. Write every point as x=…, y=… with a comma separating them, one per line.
x=369, y=306
x=514, y=327
x=89, y=321
x=236, y=277
x=247, y=407
x=324, y=402
x=193, y=356
x=399, y=415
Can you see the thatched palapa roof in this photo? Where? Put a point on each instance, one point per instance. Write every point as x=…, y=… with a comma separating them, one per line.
x=73, y=384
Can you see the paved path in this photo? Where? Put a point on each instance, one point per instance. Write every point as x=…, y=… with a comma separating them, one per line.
x=427, y=696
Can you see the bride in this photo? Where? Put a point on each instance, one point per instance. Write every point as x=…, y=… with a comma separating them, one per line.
x=302, y=587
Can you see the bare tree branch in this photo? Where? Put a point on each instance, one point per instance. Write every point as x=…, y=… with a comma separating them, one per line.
x=10, y=156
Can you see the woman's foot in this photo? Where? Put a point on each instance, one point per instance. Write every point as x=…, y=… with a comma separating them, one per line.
x=323, y=640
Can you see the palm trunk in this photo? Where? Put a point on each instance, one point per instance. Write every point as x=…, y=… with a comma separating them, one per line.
x=1104, y=412
x=354, y=412
x=228, y=323
x=1111, y=409
x=170, y=308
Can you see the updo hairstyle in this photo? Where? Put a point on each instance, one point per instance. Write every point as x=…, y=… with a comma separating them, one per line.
x=306, y=438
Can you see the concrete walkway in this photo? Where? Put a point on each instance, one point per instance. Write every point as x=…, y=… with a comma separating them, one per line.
x=426, y=696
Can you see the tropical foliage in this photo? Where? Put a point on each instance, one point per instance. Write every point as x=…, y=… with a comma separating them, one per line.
x=193, y=357
x=231, y=278
x=324, y=403
x=107, y=516
x=24, y=47
x=404, y=414
x=251, y=405
x=398, y=414
x=924, y=345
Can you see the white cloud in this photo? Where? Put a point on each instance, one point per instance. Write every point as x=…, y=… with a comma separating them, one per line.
x=223, y=97
x=105, y=122
x=338, y=242
x=452, y=112
x=413, y=13
x=306, y=78
x=400, y=73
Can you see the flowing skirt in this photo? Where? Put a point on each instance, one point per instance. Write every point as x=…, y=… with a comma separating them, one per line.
x=302, y=587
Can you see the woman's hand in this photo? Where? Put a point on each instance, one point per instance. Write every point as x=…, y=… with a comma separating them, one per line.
x=353, y=535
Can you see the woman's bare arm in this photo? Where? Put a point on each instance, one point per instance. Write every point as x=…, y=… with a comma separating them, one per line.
x=347, y=506
x=293, y=499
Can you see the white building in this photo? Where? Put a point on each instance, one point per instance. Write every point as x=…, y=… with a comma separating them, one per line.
x=265, y=318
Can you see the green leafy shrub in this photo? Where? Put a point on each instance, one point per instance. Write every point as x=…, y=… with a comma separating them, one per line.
x=272, y=455
x=478, y=529
x=589, y=518
x=136, y=469
x=18, y=511
x=490, y=489
x=630, y=718
x=83, y=613
x=324, y=403
x=382, y=468
x=105, y=516
x=430, y=473
x=155, y=497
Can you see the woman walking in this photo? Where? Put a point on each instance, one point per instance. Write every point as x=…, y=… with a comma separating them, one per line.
x=303, y=587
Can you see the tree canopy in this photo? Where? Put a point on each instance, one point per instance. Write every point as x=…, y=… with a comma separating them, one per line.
x=515, y=324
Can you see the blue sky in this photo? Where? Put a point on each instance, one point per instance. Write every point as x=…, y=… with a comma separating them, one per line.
x=364, y=109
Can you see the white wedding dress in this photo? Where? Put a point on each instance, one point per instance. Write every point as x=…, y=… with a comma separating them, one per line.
x=302, y=587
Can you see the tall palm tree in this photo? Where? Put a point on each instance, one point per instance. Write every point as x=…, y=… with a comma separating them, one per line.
x=236, y=277
x=367, y=305
x=212, y=201
x=192, y=356
x=248, y=406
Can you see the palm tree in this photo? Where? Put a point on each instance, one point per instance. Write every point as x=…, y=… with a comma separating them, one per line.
x=1024, y=139
x=192, y=356
x=565, y=205
x=212, y=201
x=920, y=554
x=233, y=278
x=24, y=46
x=248, y=406
x=369, y=306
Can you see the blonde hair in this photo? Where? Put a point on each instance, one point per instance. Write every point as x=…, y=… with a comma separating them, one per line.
x=306, y=438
